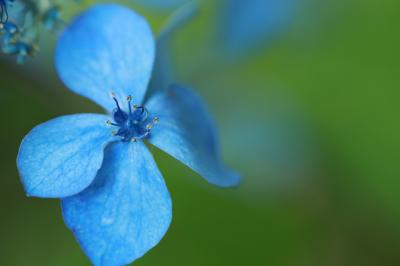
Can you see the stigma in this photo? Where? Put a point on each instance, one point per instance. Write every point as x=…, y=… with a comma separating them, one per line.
x=131, y=125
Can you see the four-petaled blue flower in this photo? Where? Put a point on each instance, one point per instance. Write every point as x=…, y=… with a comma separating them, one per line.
x=113, y=196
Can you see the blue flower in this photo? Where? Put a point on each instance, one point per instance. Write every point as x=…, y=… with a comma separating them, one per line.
x=113, y=196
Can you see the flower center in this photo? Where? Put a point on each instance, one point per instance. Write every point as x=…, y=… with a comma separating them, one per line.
x=132, y=125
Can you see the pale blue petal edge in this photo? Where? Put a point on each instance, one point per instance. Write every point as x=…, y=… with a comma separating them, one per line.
x=61, y=157
x=125, y=212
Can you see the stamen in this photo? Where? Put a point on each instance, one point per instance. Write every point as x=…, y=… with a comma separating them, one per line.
x=132, y=126
x=109, y=123
x=156, y=120
x=115, y=100
x=129, y=99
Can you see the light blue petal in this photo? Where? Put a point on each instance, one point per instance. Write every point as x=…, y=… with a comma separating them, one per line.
x=163, y=73
x=125, y=212
x=109, y=48
x=186, y=131
x=61, y=157
x=161, y=4
x=249, y=24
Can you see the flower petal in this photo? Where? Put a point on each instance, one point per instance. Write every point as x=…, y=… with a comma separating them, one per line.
x=162, y=72
x=186, y=131
x=248, y=24
x=61, y=157
x=108, y=48
x=125, y=212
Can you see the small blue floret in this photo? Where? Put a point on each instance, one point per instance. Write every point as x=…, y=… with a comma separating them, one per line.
x=52, y=19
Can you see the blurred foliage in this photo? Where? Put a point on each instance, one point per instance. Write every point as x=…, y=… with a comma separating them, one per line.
x=311, y=122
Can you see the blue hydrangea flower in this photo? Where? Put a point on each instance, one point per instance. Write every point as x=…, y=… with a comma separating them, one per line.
x=113, y=196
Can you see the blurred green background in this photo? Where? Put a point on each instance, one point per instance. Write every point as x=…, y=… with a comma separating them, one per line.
x=311, y=122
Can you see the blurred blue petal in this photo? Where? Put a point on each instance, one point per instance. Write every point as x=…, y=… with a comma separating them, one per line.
x=61, y=157
x=125, y=212
x=186, y=131
x=107, y=48
x=161, y=4
x=162, y=72
x=249, y=24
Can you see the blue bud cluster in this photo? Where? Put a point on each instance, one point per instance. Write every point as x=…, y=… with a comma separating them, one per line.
x=21, y=23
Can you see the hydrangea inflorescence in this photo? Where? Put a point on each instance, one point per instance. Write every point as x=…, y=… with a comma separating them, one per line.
x=22, y=22
x=113, y=196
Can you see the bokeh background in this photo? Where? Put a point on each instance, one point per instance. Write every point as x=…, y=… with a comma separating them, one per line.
x=310, y=119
